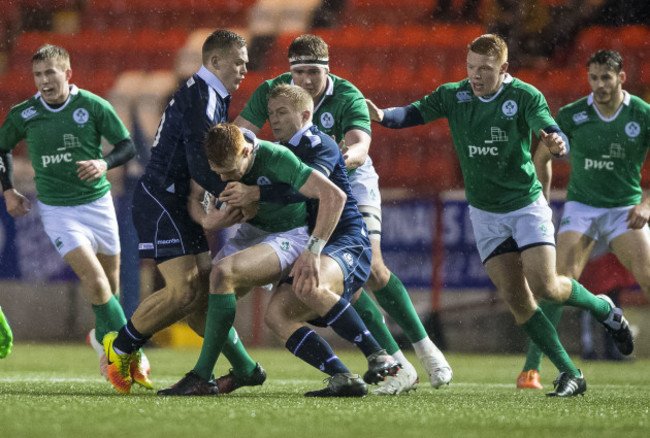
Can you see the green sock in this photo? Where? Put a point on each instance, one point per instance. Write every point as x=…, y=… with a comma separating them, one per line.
x=374, y=321
x=109, y=317
x=582, y=298
x=553, y=312
x=395, y=300
x=233, y=349
x=221, y=315
x=542, y=332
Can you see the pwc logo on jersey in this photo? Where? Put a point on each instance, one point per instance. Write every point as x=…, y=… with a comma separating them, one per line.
x=80, y=116
x=327, y=120
x=28, y=113
x=509, y=108
x=580, y=117
x=263, y=181
x=483, y=151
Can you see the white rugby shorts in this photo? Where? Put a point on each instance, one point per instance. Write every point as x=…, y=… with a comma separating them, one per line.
x=528, y=226
x=602, y=224
x=287, y=244
x=364, y=182
x=94, y=223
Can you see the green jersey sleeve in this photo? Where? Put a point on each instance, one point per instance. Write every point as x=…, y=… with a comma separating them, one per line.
x=11, y=131
x=256, y=110
x=108, y=123
x=536, y=111
x=432, y=106
x=285, y=167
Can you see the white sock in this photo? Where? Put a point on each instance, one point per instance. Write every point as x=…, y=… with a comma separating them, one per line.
x=425, y=347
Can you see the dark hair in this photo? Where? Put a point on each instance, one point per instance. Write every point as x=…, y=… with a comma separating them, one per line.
x=308, y=45
x=611, y=58
x=221, y=40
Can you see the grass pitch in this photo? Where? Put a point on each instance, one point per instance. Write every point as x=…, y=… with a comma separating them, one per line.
x=56, y=391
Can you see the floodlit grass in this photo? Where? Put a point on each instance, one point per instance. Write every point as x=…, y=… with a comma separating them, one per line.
x=56, y=391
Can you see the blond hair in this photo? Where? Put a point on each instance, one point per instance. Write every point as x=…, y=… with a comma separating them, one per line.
x=298, y=97
x=55, y=53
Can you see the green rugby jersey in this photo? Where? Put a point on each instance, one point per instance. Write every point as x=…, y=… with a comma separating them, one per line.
x=58, y=138
x=492, y=137
x=606, y=154
x=277, y=164
x=341, y=109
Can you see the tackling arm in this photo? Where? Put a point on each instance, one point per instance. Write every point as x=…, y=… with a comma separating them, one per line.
x=355, y=147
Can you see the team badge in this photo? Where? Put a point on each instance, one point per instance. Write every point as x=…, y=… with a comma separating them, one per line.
x=327, y=120
x=263, y=181
x=348, y=259
x=80, y=116
x=509, y=108
x=632, y=129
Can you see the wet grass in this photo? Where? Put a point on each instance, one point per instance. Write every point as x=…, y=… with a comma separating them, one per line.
x=56, y=391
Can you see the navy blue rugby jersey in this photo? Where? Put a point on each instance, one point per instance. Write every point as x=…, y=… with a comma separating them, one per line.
x=177, y=154
x=321, y=152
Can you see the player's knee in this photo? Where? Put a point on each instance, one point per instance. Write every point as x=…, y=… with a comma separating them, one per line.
x=309, y=297
x=272, y=317
x=223, y=276
x=379, y=275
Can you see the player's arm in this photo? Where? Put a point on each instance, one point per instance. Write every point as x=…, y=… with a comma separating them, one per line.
x=395, y=118
x=243, y=123
x=555, y=140
x=355, y=147
x=17, y=205
x=544, y=169
x=202, y=210
x=331, y=202
x=639, y=215
x=90, y=170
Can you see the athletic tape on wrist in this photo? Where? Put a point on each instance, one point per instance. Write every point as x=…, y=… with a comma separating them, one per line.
x=315, y=245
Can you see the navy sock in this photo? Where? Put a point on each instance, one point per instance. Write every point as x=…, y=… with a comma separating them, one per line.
x=129, y=339
x=307, y=345
x=347, y=323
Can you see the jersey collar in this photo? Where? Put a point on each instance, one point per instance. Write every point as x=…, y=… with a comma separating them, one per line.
x=626, y=102
x=295, y=140
x=506, y=80
x=74, y=90
x=213, y=81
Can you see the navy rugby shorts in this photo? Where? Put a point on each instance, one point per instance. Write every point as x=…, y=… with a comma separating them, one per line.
x=165, y=228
